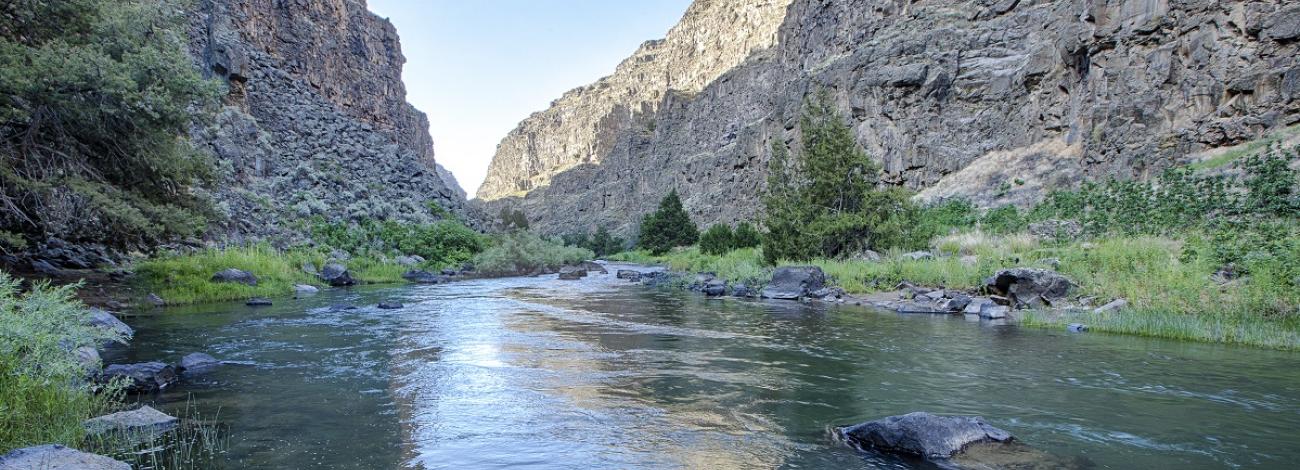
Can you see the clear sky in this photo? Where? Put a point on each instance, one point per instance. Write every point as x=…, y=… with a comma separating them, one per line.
x=478, y=67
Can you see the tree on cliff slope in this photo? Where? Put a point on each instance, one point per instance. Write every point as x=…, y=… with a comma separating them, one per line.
x=826, y=204
x=668, y=227
x=95, y=100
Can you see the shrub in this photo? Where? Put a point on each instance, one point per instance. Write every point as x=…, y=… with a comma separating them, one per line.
x=746, y=236
x=524, y=252
x=43, y=395
x=513, y=219
x=668, y=227
x=95, y=101
x=442, y=243
x=601, y=243
x=717, y=240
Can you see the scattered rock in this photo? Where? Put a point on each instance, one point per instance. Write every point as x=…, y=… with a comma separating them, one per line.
x=310, y=269
x=740, y=290
x=390, y=305
x=1056, y=229
x=592, y=266
x=422, y=277
x=237, y=276
x=336, y=275
x=258, y=302
x=1077, y=327
x=143, y=377
x=304, y=289
x=1029, y=286
x=923, y=434
x=793, y=282
x=1112, y=306
x=969, y=260
x=143, y=420
x=994, y=312
x=976, y=305
x=155, y=300
x=917, y=255
x=572, y=273
x=868, y=255
x=715, y=288
x=197, y=363
x=827, y=293
x=342, y=307
x=103, y=319
x=919, y=307
x=408, y=260
x=449, y=272
x=45, y=268
x=629, y=275
x=57, y=457
x=88, y=357
x=1054, y=263
x=956, y=303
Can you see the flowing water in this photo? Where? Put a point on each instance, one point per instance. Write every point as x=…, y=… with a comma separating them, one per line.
x=541, y=373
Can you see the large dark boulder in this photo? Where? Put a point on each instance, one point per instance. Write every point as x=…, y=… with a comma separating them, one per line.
x=198, y=363
x=422, y=277
x=141, y=421
x=103, y=319
x=629, y=275
x=55, y=457
x=923, y=434
x=237, y=276
x=143, y=377
x=715, y=288
x=572, y=273
x=793, y=282
x=1030, y=287
x=337, y=275
x=593, y=267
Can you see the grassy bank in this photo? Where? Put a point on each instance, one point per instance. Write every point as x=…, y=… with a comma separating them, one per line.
x=1170, y=288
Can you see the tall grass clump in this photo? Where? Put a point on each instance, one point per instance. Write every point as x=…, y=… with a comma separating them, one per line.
x=44, y=396
x=523, y=253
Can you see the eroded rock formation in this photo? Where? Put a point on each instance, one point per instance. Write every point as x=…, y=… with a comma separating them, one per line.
x=993, y=100
x=316, y=121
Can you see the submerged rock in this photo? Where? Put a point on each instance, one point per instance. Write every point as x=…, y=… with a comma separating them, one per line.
x=143, y=377
x=740, y=290
x=57, y=457
x=258, y=302
x=629, y=275
x=715, y=288
x=793, y=282
x=1076, y=327
x=237, y=276
x=143, y=420
x=390, y=305
x=422, y=277
x=197, y=363
x=336, y=275
x=923, y=434
x=572, y=273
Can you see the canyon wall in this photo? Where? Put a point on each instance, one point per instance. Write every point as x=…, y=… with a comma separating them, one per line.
x=992, y=100
x=315, y=122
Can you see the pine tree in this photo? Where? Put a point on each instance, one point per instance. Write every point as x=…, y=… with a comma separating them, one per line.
x=668, y=227
x=746, y=236
x=717, y=240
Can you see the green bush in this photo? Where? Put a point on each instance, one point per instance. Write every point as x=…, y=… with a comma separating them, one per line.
x=43, y=395
x=442, y=243
x=524, y=253
x=96, y=98
x=826, y=203
x=513, y=219
x=602, y=243
x=668, y=227
x=746, y=236
x=1003, y=220
x=717, y=240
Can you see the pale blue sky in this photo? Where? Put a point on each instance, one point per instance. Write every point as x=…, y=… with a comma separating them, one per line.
x=478, y=67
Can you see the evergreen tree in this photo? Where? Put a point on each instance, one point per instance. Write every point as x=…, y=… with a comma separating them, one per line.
x=746, y=236
x=717, y=240
x=668, y=227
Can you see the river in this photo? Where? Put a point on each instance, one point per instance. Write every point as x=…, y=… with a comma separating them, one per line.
x=599, y=373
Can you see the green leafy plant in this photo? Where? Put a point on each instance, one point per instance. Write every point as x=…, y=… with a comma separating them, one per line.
x=746, y=236
x=668, y=227
x=717, y=240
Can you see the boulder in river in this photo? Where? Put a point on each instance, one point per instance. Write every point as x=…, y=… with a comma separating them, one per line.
x=337, y=275
x=141, y=421
x=593, y=267
x=305, y=289
x=793, y=282
x=142, y=377
x=740, y=290
x=103, y=319
x=197, y=363
x=715, y=288
x=57, y=457
x=258, y=302
x=923, y=434
x=629, y=275
x=155, y=300
x=1030, y=287
x=422, y=277
x=390, y=305
x=572, y=273
x=237, y=276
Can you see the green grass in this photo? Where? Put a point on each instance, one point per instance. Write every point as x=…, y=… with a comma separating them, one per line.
x=1250, y=148
x=186, y=278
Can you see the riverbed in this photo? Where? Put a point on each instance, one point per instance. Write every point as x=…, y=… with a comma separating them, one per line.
x=599, y=373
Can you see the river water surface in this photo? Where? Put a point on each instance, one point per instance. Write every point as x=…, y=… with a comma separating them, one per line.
x=541, y=373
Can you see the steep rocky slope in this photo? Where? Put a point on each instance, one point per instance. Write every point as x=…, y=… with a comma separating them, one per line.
x=316, y=121
x=994, y=100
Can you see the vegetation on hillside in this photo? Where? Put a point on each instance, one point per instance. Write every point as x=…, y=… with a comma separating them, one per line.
x=523, y=253
x=95, y=101
x=601, y=242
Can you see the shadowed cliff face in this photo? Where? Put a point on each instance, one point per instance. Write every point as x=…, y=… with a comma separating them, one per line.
x=953, y=98
x=316, y=122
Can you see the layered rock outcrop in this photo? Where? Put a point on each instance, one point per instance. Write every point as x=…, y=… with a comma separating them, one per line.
x=315, y=122
x=993, y=100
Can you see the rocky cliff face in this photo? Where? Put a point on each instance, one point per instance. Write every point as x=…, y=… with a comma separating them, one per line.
x=993, y=100
x=316, y=121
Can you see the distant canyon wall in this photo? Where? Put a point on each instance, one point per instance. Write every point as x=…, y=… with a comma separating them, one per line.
x=315, y=123
x=992, y=100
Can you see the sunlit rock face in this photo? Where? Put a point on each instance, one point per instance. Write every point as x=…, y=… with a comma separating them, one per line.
x=996, y=101
x=315, y=122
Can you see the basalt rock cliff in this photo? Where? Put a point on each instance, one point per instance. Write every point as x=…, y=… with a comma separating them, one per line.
x=315, y=122
x=992, y=100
